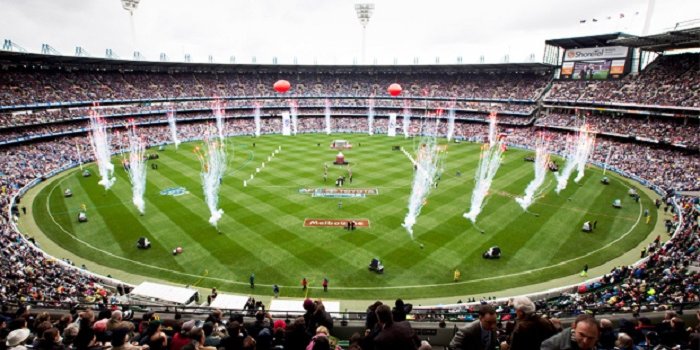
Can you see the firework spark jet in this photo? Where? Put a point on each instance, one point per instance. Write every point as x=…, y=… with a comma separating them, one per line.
x=489, y=162
x=100, y=142
x=212, y=157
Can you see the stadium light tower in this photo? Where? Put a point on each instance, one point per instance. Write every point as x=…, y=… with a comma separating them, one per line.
x=130, y=5
x=364, y=12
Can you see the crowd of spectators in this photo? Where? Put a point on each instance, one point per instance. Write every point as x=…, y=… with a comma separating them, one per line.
x=117, y=121
x=515, y=324
x=27, y=86
x=671, y=80
x=28, y=119
x=115, y=328
x=665, y=168
x=521, y=324
x=28, y=276
x=679, y=131
x=669, y=130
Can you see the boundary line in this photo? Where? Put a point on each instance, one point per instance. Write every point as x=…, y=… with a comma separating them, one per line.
x=229, y=281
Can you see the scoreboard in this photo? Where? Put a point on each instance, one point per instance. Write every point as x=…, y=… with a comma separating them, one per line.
x=597, y=63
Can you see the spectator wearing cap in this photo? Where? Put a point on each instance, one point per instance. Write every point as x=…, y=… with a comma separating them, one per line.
x=180, y=338
x=100, y=328
x=309, y=308
x=16, y=339
x=321, y=317
x=278, y=330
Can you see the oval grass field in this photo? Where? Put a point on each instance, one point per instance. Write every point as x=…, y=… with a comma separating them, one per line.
x=263, y=232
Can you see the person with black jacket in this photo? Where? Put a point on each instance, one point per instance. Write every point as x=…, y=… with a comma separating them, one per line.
x=478, y=335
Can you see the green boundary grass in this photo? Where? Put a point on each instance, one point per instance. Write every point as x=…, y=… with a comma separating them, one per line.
x=262, y=228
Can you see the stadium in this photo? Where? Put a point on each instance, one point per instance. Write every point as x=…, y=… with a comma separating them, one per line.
x=145, y=197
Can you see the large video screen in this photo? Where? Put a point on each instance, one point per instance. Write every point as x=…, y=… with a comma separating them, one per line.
x=593, y=70
x=595, y=63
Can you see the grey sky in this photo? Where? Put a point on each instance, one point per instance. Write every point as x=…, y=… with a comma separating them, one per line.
x=326, y=30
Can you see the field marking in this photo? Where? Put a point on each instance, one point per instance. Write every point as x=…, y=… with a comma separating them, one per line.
x=229, y=281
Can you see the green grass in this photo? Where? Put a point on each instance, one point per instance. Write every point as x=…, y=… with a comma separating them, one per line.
x=262, y=228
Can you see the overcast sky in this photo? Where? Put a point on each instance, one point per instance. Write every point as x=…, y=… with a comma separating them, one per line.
x=326, y=31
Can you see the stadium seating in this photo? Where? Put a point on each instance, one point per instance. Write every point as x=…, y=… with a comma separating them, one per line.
x=669, y=81
x=29, y=276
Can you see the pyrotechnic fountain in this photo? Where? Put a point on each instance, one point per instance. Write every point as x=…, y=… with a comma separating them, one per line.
x=426, y=165
x=219, y=116
x=100, y=142
x=489, y=162
x=256, y=116
x=578, y=149
x=406, y=119
x=137, y=166
x=450, y=123
x=370, y=117
x=173, y=129
x=293, y=111
x=213, y=160
x=541, y=162
x=328, y=117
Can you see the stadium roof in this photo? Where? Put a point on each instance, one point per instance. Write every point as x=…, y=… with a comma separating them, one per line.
x=11, y=58
x=586, y=41
x=673, y=40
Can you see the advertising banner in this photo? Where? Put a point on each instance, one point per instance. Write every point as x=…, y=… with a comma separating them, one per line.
x=595, y=53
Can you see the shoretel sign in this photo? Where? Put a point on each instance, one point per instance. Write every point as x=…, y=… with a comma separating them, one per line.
x=594, y=53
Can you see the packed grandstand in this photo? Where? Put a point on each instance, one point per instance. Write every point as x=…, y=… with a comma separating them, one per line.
x=647, y=128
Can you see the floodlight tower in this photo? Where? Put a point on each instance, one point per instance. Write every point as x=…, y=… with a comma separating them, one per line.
x=364, y=12
x=130, y=5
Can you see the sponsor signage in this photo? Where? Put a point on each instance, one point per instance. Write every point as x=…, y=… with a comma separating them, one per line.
x=347, y=192
x=174, y=191
x=335, y=222
x=595, y=53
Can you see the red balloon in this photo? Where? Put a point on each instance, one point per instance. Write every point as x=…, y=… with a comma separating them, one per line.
x=282, y=86
x=394, y=89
